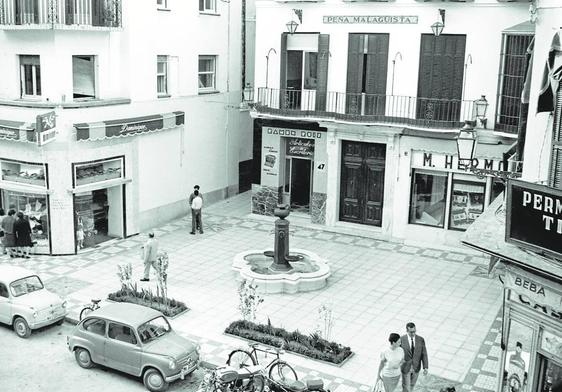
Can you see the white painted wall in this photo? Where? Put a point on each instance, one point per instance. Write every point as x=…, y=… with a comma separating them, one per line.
x=482, y=21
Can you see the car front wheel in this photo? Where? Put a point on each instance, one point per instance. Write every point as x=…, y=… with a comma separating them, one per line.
x=83, y=358
x=154, y=381
x=21, y=327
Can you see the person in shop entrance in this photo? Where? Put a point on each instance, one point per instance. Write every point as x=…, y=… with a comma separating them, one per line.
x=150, y=254
x=9, y=239
x=517, y=376
x=391, y=360
x=196, y=206
x=22, y=230
x=2, y=216
x=415, y=355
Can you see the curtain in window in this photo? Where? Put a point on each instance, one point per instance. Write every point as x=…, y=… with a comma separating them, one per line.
x=162, y=75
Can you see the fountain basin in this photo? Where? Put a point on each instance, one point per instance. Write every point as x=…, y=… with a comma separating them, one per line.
x=309, y=274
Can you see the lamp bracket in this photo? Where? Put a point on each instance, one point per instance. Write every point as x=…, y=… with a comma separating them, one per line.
x=298, y=13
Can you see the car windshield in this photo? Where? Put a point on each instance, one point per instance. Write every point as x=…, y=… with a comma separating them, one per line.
x=26, y=285
x=154, y=329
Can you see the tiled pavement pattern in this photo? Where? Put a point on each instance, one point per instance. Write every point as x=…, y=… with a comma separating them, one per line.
x=447, y=293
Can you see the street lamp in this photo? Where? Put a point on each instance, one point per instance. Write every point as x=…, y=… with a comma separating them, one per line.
x=480, y=107
x=466, y=141
x=438, y=26
x=292, y=26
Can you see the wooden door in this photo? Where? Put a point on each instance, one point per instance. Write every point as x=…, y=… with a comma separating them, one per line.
x=362, y=182
x=440, y=77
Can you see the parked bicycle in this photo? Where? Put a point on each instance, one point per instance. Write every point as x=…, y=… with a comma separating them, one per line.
x=95, y=304
x=279, y=370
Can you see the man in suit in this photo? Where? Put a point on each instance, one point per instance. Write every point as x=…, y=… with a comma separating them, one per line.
x=150, y=254
x=415, y=355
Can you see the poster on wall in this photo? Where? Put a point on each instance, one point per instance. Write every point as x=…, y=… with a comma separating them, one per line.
x=270, y=165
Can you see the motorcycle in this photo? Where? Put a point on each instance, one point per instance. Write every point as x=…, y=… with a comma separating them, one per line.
x=229, y=379
x=314, y=385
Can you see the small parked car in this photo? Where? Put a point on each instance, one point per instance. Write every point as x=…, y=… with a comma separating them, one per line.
x=134, y=339
x=25, y=303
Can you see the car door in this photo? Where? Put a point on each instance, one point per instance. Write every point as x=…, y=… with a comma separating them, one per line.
x=95, y=329
x=122, y=349
x=5, y=305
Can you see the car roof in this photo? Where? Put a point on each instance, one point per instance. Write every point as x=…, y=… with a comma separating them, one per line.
x=9, y=273
x=126, y=313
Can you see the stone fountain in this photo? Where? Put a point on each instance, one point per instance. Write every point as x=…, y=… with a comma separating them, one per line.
x=278, y=270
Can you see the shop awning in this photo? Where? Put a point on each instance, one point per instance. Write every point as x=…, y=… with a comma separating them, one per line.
x=522, y=28
x=18, y=131
x=128, y=126
x=487, y=235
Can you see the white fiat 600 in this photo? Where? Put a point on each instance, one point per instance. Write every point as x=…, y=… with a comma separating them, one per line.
x=25, y=303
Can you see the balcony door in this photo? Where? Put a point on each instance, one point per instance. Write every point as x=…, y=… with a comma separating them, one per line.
x=440, y=78
x=27, y=12
x=367, y=65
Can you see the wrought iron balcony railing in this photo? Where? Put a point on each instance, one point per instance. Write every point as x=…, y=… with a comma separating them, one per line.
x=372, y=108
x=60, y=14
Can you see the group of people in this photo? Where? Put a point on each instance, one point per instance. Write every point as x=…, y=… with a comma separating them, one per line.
x=15, y=234
x=149, y=250
x=405, y=358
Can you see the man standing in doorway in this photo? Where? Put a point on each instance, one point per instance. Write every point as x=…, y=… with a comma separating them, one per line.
x=196, y=205
x=415, y=354
x=150, y=253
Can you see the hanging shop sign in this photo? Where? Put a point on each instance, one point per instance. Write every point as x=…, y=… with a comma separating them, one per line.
x=370, y=19
x=534, y=217
x=297, y=147
x=45, y=128
x=424, y=159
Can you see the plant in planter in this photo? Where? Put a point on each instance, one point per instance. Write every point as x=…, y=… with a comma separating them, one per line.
x=250, y=300
x=324, y=322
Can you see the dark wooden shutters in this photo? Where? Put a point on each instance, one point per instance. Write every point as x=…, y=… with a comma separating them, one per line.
x=555, y=177
x=70, y=9
x=283, y=72
x=362, y=182
x=27, y=12
x=440, y=77
x=322, y=71
x=98, y=13
x=367, y=66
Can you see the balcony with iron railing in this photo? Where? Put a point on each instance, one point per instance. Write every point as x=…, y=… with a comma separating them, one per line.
x=60, y=14
x=365, y=108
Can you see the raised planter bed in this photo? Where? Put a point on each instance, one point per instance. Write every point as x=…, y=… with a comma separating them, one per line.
x=310, y=346
x=172, y=308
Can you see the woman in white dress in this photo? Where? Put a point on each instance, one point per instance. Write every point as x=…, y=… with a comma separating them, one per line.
x=391, y=359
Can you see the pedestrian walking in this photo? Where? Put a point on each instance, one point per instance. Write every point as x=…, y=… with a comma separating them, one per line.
x=196, y=206
x=150, y=254
x=9, y=238
x=391, y=360
x=415, y=355
x=2, y=216
x=22, y=230
x=80, y=234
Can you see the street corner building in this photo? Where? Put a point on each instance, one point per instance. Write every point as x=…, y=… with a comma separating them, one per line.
x=105, y=125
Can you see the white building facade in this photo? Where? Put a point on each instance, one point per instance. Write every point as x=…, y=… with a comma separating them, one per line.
x=146, y=97
x=356, y=113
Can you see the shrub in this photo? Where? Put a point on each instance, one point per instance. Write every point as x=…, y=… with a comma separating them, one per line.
x=313, y=346
x=170, y=307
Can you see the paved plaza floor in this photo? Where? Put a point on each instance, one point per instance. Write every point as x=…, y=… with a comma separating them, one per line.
x=376, y=287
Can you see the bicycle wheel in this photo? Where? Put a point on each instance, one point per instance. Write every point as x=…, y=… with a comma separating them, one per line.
x=86, y=311
x=240, y=358
x=281, y=371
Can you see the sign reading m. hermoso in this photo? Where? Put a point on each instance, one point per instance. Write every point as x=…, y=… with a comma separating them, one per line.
x=534, y=217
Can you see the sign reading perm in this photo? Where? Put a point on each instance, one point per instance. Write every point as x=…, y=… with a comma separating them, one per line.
x=370, y=19
x=297, y=147
x=534, y=217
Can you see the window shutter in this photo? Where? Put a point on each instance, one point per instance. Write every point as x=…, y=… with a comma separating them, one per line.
x=377, y=64
x=322, y=70
x=69, y=12
x=354, y=73
x=555, y=180
x=97, y=13
x=283, y=71
x=35, y=8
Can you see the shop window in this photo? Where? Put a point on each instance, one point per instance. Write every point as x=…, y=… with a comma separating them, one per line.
x=467, y=203
x=208, y=6
x=207, y=73
x=550, y=372
x=89, y=173
x=162, y=75
x=23, y=173
x=429, y=194
x=34, y=207
x=515, y=374
x=83, y=77
x=498, y=187
x=30, y=76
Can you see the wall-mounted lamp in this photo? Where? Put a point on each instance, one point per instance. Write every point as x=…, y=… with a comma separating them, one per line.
x=292, y=26
x=438, y=26
x=480, y=108
x=398, y=55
